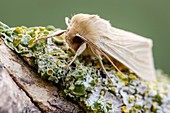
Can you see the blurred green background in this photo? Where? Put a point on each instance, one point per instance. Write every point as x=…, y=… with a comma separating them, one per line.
x=149, y=18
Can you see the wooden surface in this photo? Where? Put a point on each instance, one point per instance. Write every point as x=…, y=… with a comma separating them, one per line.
x=13, y=99
x=23, y=91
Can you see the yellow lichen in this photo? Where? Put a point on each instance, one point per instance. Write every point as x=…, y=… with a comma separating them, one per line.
x=124, y=109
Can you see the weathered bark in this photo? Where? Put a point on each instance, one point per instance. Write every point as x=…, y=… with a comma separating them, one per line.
x=13, y=99
x=23, y=91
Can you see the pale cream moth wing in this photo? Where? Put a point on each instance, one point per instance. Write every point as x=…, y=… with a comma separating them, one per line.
x=132, y=50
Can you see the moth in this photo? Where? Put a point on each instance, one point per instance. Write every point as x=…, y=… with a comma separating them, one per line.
x=90, y=34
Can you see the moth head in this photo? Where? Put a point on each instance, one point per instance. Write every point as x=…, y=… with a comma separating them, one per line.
x=81, y=24
x=70, y=35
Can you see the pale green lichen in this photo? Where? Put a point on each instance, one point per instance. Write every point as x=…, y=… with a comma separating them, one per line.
x=84, y=82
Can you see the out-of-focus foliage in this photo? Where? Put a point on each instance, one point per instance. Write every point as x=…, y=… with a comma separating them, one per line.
x=84, y=81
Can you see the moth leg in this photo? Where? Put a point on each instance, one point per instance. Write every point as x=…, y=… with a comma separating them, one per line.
x=96, y=52
x=101, y=63
x=78, y=52
x=56, y=33
x=98, y=56
x=113, y=64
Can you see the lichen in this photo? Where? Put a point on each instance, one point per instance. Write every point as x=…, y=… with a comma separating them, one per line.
x=84, y=81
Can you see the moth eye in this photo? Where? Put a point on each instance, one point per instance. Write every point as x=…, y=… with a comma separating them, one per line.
x=77, y=39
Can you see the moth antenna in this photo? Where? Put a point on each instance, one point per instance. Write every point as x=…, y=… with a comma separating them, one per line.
x=72, y=15
x=67, y=20
x=56, y=33
x=97, y=54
